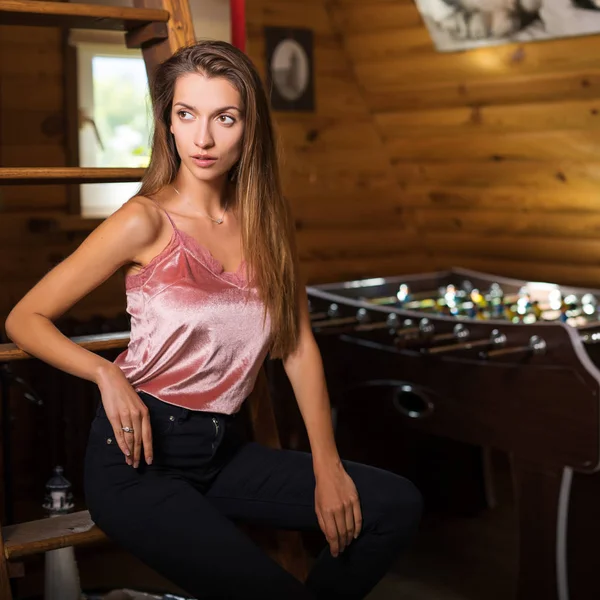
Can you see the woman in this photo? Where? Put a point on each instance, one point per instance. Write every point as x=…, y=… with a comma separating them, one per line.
x=208, y=251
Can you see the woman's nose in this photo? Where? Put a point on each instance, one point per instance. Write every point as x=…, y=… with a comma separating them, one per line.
x=204, y=137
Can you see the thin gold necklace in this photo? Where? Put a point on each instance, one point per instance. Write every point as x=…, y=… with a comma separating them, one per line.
x=217, y=221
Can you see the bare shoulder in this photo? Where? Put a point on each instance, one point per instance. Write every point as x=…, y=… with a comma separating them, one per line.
x=120, y=240
x=136, y=224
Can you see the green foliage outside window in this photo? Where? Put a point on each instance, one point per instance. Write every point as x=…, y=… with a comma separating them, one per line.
x=121, y=111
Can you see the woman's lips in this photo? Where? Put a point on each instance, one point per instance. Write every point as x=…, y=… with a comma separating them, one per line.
x=204, y=161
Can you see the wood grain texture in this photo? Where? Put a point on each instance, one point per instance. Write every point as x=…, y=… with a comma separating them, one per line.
x=76, y=15
x=94, y=343
x=180, y=31
x=494, y=150
x=474, y=146
x=36, y=537
x=480, y=91
x=571, y=115
x=558, y=56
x=42, y=175
x=376, y=15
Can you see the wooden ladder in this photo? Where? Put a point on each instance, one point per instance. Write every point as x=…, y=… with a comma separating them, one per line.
x=158, y=28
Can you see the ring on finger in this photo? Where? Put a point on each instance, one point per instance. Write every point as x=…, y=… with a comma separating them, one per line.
x=127, y=429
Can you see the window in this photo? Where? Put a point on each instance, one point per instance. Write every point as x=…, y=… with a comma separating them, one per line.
x=114, y=105
x=114, y=121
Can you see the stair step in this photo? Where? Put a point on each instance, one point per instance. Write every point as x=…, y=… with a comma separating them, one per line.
x=80, y=16
x=36, y=537
x=60, y=175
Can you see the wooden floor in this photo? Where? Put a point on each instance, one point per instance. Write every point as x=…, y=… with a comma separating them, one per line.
x=458, y=558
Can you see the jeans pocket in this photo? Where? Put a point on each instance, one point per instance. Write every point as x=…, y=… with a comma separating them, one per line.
x=163, y=417
x=162, y=424
x=101, y=432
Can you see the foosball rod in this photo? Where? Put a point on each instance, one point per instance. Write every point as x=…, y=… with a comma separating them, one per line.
x=537, y=345
x=361, y=316
x=496, y=339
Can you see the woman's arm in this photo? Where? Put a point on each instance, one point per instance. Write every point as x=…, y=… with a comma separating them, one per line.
x=336, y=499
x=304, y=369
x=119, y=240
x=114, y=243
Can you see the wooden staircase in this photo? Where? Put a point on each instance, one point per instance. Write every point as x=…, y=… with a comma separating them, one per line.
x=158, y=28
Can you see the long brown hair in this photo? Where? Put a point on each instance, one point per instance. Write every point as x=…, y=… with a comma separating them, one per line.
x=266, y=222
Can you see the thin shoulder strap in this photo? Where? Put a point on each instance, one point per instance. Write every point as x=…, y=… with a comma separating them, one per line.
x=166, y=213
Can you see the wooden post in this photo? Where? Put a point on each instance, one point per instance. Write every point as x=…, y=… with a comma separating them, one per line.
x=180, y=31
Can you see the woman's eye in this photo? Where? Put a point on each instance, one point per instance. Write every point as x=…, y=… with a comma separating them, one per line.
x=183, y=112
x=230, y=122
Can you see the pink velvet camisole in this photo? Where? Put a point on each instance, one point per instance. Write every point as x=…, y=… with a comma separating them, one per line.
x=197, y=335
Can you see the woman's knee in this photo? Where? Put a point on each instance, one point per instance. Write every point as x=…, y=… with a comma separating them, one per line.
x=402, y=507
x=392, y=502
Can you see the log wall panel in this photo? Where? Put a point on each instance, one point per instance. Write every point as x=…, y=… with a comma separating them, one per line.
x=494, y=151
x=572, y=115
x=26, y=200
x=509, y=89
x=573, y=175
x=539, y=146
x=31, y=134
x=554, y=56
x=577, y=204
x=360, y=268
x=376, y=15
x=20, y=125
x=524, y=224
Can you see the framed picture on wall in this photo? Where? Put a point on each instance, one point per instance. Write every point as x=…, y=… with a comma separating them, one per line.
x=465, y=24
x=290, y=78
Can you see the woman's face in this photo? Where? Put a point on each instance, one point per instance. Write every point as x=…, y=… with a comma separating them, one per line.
x=207, y=122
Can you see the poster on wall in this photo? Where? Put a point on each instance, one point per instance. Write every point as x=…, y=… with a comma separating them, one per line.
x=290, y=79
x=465, y=24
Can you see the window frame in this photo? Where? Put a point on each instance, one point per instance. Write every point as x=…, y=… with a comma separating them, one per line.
x=85, y=46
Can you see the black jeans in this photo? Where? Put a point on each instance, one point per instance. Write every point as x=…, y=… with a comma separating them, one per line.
x=177, y=515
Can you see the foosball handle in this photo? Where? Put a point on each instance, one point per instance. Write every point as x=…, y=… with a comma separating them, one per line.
x=537, y=345
x=362, y=316
x=459, y=333
x=496, y=339
x=425, y=329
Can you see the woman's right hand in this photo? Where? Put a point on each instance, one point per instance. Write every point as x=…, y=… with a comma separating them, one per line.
x=124, y=408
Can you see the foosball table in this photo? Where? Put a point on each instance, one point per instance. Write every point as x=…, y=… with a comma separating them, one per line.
x=493, y=362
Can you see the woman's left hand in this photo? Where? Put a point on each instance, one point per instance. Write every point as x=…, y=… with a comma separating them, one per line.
x=338, y=508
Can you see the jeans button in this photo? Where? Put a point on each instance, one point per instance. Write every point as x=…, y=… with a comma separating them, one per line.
x=171, y=418
x=109, y=441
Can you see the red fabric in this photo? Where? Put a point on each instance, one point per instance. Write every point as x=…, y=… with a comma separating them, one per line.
x=238, y=23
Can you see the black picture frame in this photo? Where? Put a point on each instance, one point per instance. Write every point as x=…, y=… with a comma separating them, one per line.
x=290, y=70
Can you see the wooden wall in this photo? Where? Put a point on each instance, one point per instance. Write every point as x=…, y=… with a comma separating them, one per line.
x=33, y=117
x=31, y=133
x=351, y=221
x=494, y=152
x=413, y=160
